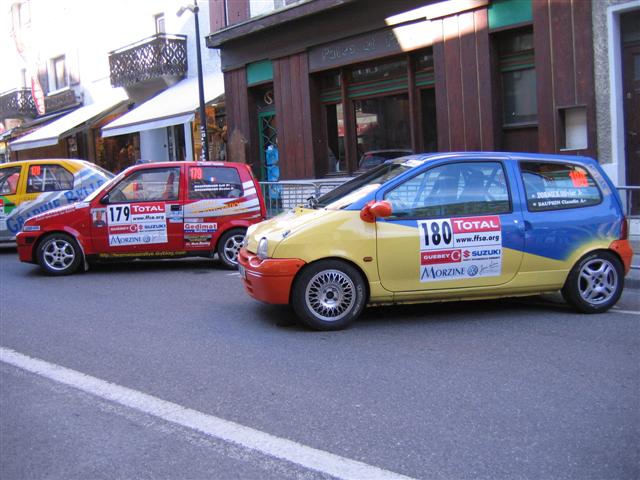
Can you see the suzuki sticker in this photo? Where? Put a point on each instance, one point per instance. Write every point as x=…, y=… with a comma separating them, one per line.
x=456, y=248
x=137, y=224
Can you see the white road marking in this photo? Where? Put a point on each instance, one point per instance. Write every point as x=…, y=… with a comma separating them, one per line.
x=294, y=452
x=235, y=274
x=629, y=312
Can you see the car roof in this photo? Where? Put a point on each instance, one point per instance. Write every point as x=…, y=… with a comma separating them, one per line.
x=44, y=161
x=483, y=156
x=141, y=166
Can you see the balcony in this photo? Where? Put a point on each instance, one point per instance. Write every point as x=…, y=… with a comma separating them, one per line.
x=61, y=100
x=162, y=56
x=17, y=103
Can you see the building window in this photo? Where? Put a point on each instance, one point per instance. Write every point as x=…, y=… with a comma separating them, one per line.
x=20, y=15
x=517, y=78
x=159, y=21
x=59, y=70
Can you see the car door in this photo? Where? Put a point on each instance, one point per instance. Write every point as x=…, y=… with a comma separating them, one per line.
x=141, y=214
x=11, y=189
x=453, y=226
x=215, y=198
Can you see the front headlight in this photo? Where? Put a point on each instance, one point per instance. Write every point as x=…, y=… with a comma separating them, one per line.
x=263, y=248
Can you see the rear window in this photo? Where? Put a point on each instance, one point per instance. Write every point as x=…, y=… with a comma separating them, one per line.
x=558, y=186
x=48, y=178
x=214, y=182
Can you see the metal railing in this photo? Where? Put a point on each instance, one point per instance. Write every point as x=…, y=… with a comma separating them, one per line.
x=630, y=196
x=154, y=57
x=284, y=195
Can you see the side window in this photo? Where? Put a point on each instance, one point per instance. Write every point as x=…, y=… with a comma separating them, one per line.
x=214, y=182
x=48, y=178
x=453, y=189
x=9, y=180
x=556, y=186
x=158, y=184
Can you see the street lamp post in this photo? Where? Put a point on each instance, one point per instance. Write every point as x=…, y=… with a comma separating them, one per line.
x=204, y=155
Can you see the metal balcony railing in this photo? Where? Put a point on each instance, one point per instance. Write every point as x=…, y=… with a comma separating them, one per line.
x=17, y=103
x=154, y=57
x=61, y=100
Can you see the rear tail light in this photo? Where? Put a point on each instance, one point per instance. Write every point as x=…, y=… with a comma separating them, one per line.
x=624, y=229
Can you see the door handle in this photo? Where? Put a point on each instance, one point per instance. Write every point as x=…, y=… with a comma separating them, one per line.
x=176, y=208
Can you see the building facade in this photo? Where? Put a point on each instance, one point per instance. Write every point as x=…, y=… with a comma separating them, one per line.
x=616, y=45
x=327, y=81
x=128, y=54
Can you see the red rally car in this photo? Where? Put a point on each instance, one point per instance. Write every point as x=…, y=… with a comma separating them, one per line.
x=152, y=210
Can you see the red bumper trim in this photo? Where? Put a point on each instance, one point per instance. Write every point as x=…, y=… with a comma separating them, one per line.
x=623, y=248
x=269, y=280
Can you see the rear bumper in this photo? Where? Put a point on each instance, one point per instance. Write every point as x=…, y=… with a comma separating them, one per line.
x=623, y=248
x=268, y=280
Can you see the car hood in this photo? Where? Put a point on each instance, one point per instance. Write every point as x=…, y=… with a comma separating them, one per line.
x=282, y=226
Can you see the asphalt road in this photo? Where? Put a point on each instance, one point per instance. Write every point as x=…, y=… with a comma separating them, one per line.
x=521, y=388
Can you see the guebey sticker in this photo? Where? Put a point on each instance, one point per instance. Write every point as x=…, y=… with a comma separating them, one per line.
x=456, y=248
x=137, y=224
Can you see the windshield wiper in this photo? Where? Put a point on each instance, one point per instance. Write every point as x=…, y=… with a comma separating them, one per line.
x=312, y=202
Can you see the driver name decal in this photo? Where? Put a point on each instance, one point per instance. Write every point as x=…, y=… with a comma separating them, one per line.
x=137, y=224
x=458, y=248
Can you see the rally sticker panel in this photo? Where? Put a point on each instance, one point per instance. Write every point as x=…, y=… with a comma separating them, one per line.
x=137, y=224
x=460, y=248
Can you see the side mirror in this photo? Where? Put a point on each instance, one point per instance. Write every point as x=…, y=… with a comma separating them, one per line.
x=373, y=210
x=105, y=199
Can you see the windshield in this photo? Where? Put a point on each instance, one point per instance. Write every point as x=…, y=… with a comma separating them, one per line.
x=102, y=188
x=355, y=189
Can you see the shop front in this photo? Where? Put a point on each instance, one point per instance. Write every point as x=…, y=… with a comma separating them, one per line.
x=410, y=76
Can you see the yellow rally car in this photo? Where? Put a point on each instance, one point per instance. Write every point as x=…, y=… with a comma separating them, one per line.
x=455, y=226
x=30, y=187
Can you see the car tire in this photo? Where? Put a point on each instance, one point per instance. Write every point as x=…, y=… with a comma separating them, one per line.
x=329, y=295
x=595, y=283
x=59, y=254
x=229, y=247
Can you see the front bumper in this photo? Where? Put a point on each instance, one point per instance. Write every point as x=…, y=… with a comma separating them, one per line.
x=268, y=280
x=25, y=242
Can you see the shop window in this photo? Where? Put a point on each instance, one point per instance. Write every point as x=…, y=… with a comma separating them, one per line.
x=424, y=61
x=517, y=78
x=335, y=139
x=453, y=189
x=214, y=182
x=48, y=178
x=379, y=72
x=382, y=123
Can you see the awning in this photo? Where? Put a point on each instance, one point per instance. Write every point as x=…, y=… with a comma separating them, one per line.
x=50, y=134
x=174, y=106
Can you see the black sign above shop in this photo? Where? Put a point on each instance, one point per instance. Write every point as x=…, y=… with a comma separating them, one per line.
x=369, y=46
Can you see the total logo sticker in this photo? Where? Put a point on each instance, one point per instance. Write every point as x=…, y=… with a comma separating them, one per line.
x=452, y=249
